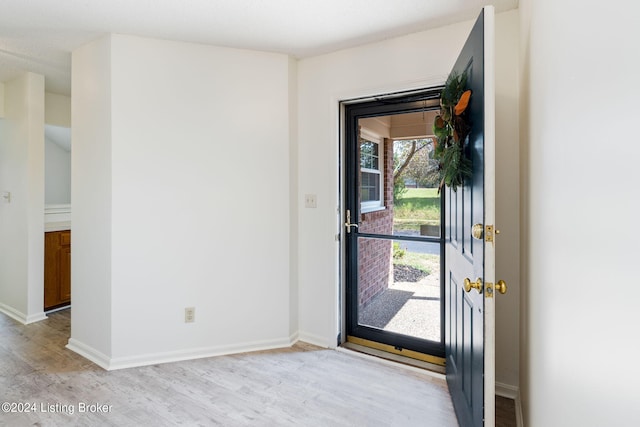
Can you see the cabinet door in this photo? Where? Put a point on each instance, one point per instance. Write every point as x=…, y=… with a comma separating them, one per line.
x=57, y=269
x=51, y=274
x=65, y=273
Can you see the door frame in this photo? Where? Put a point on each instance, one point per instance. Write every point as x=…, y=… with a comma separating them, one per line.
x=400, y=102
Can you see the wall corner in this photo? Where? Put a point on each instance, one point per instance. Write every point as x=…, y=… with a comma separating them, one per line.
x=1, y=100
x=294, y=303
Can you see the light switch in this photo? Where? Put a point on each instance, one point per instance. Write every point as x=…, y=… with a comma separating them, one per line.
x=6, y=197
x=310, y=201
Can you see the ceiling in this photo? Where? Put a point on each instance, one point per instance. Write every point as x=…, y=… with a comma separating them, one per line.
x=39, y=35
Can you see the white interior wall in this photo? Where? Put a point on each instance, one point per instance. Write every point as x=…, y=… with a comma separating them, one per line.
x=195, y=169
x=579, y=108
x=324, y=81
x=57, y=174
x=415, y=61
x=91, y=194
x=57, y=112
x=22, y=219
x=57, y=109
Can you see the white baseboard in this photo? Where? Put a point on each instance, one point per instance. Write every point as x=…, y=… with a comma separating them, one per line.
x=506, y=390
x=32, y=318
x=20, y=316
x=89, y=353
x=315, y=340
x=511, y=392
x=519, y=418
x=110, y=364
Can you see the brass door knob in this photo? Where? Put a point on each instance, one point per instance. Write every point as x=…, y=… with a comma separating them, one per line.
x=477, y=231
x=501, y=286
x=477, y=285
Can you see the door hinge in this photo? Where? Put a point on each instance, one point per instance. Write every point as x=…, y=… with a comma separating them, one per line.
x=337, y=237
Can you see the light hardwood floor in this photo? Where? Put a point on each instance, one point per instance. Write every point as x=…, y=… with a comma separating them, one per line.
x=299, y=386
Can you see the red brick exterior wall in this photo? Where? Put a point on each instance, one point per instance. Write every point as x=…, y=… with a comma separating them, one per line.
x=374, y=255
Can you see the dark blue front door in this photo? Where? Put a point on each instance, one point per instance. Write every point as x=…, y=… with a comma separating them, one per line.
x=467, y=350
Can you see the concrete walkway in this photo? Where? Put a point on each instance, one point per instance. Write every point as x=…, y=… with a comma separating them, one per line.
x=408, y=308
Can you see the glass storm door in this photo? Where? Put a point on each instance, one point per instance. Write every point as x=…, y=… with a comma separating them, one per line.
x=393, y=227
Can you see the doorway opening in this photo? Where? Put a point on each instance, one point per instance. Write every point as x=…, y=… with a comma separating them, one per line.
x=393, y=238
x=57, y=218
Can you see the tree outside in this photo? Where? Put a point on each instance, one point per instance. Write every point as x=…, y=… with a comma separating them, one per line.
x=416, y=179
x=414, y=165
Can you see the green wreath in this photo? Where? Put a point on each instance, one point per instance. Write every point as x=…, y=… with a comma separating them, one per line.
x=451, y=128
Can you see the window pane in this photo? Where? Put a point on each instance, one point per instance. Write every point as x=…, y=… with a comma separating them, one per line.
x=369, y=187
x=368, y=154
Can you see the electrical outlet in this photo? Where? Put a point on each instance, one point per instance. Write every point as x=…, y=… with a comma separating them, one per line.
x=189, y=315
x=310, y=201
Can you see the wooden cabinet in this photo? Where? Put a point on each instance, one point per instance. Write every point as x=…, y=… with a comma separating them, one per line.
x=57, y=269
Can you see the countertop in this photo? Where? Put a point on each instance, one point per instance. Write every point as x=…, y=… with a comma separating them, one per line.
x=57, y=226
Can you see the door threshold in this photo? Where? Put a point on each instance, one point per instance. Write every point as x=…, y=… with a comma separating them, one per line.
x=405, y=360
